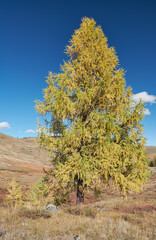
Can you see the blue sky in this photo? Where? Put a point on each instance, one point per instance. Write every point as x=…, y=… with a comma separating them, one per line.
x=32, y=43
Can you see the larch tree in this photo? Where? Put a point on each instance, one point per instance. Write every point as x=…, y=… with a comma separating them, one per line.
x=89, y=107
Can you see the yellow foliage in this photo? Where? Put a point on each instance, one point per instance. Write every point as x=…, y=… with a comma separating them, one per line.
x=45, y=191
x=91, y=128
x=14, y=196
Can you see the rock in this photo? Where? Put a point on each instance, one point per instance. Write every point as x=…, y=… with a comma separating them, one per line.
x=2, y=233
x=24, y=224
x=76, y=237
x=62, y=236
x=101, y=208
x=104, y=209
x=22, y=233
x=52, y=208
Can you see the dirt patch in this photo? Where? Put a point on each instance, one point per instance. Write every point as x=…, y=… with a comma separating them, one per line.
x=135, y=209
x=3, y=192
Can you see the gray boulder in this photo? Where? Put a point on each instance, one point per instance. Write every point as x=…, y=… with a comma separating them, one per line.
x=76, y=237
x=101, y=208
x=52, y=208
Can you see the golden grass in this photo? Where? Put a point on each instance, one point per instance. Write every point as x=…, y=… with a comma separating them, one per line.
x=133, y=219
x=85, y=221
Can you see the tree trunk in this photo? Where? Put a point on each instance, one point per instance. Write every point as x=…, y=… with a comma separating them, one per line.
x=79, y=194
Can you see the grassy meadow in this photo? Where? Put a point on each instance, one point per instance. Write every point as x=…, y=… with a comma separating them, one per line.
x=106, y=217
x=133, y=219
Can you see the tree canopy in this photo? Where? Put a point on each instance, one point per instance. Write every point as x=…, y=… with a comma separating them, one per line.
x=88, y=105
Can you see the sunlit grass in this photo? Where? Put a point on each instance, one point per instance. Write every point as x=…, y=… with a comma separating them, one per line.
x=85, y=221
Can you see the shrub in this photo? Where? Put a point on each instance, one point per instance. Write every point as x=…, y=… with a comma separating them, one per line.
x=40, y=194
x=45, y=191
x=14, y=197
x=152, y=163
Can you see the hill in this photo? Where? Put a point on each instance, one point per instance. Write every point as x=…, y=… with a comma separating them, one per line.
x=21, y=159
x=151, y=152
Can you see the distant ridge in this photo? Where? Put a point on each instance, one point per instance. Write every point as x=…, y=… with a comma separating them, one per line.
x=23, y=149
x=26, y=149
x=151, y=151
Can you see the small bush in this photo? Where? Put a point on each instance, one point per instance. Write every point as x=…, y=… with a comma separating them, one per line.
x=40, y=194
x=152, y=163
x=59, y=193
x=14, y=196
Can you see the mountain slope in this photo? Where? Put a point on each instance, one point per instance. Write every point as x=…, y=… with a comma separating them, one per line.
x=151, y=152
x=21, y=159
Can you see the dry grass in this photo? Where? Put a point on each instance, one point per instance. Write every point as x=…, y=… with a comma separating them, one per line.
x=21, y=159
x=113, y=218
x=120, y=222
x=132, y=219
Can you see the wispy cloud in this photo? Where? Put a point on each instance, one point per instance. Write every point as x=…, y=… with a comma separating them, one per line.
x=145, y=97
x=4, y=125
x=147, y=111
x=30, y=131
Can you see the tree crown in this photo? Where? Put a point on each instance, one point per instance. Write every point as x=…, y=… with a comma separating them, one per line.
x=88, y=105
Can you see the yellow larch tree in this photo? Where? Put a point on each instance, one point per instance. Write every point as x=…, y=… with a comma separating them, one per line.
x=92, y=128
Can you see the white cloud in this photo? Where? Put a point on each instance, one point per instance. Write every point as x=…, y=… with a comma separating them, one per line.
x=147, y=111
x=145, y=97
x=30, y=131
x=4, y=125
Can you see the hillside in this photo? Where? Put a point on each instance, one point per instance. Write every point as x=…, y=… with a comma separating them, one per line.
x=22, y=159
x=98, y=218
x=151, y=152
